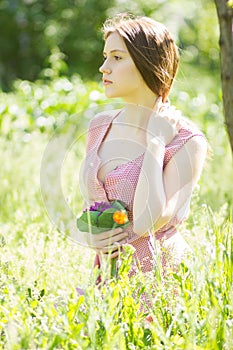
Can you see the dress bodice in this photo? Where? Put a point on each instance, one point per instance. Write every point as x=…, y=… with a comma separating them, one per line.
x=122, y=181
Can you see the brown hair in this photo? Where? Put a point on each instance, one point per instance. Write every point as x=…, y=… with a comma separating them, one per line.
x=151, y=47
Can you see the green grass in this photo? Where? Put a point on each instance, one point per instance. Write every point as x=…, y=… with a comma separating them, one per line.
x=41, y=267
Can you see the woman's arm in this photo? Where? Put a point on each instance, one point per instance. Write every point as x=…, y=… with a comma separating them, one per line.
x=159, y=195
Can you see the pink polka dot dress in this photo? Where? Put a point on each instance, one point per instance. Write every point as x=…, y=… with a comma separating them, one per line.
x=121, y=184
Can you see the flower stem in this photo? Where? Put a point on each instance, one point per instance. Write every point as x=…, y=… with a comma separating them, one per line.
x=113, y=267
x=89, y=221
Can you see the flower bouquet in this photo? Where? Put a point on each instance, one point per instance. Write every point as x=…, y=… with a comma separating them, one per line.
x=103, y=216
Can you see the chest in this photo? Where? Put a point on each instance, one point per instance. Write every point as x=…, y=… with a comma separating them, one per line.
x=119, y=147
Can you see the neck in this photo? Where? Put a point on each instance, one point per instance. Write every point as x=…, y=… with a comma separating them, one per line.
x=135, y=114
x=142, y=96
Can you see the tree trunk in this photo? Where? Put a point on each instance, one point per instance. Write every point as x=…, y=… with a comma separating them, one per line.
x=225, y=18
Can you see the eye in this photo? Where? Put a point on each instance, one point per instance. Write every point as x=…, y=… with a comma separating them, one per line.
x=117, y=58
x=104, y=58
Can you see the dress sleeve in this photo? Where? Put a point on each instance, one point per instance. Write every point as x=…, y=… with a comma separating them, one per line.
x=96, y=130
x=92, y=135
x=179, y=141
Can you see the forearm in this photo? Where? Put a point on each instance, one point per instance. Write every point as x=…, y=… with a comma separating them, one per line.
x=161, y=194
x=150, y=197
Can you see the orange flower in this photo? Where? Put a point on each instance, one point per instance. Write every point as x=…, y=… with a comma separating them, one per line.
x=120, y=217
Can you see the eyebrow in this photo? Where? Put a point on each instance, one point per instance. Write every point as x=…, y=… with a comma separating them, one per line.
x=115, y=50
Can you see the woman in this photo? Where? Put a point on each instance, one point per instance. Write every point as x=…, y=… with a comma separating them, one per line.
x=145, y=154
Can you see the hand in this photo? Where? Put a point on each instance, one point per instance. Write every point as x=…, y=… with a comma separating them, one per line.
x=107, y=242
x=164, y=123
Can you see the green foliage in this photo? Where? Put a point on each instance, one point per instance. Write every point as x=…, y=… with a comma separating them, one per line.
x=40, y=268
x=39, y=307
x=101, y=218
x=106, y=219
x=46, y=106
x=33, y=30
x=88, y=222
x=62, y=104
x=195, y=27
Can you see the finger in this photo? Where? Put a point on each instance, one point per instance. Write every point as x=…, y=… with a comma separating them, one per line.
x=171, y=119
x=158, y=104
x=107, y=234
x=108, y=250
x=118, y=238
x=109, y=240
x=176, y=124
x=108, y=247
x=114, y=254
x=113, y=246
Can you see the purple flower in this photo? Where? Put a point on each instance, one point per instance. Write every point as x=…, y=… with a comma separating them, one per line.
x=100, y=206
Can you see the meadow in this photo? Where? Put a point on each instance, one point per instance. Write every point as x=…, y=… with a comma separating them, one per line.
x=41, y=266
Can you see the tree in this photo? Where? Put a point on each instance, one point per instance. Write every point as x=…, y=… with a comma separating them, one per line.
x=31, y=30
x=225, y=18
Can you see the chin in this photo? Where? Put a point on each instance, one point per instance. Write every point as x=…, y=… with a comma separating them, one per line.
x=110, y=94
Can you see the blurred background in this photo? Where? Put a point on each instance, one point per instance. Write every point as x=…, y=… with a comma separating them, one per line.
x=50, y=52
x=34, y=34
x=50, y=88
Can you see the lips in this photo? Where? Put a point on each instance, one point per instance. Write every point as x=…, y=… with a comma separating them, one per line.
x=106, y=81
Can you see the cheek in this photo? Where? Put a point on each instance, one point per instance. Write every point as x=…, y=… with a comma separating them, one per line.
x=133, y=71
x=132, y=68
x=130, y=72
x=135, y=77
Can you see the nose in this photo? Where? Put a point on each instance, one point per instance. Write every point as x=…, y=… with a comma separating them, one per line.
x=104, y=68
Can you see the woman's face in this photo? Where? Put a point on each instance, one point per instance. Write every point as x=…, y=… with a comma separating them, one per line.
x=120, y=75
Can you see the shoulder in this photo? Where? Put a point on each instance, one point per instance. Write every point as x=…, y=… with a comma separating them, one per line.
x=194, y=151
x=191, y=135
x=197, y=147
x=189, y=140
x=187, y=129
x=194, y=139
x=98, y=126
x=192, y=155
x=188, y=161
